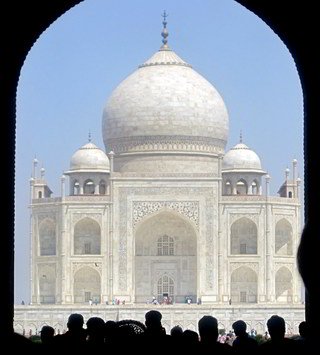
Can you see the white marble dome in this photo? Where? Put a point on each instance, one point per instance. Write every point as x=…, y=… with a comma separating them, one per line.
x=165, y=103
x=89, y=157
x=241, y=157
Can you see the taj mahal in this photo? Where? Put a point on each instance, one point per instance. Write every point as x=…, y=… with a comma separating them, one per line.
x=164, y=213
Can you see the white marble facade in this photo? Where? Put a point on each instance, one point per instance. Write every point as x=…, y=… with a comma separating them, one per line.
x=165, y=212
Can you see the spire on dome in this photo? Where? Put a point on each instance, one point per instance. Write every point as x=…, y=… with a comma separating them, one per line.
x=241, y=136
x=164, y=32
x=89, y=136
x=164, y=56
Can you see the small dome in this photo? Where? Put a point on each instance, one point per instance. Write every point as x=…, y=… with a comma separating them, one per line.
x=241, y=157
x=90, y=157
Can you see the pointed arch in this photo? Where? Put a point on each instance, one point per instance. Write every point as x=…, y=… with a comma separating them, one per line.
x=255, y=187
x=18, y=328
x=228, y=187
x=87, y=285
x=102, y=187
x=244, y=285
x=283, y=285
x=244, y=237
x=165, y=244
x=165, y=288
x=87, y=237
x=76, y=187
x=283, y=238
x=242, y=187
x=47, y=284
x=88, y=187
x=47, y=237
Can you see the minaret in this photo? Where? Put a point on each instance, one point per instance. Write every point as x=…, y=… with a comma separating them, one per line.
x=294, y=177
x=42, y=172
x=34, y=170
x=63, y=191
x=40, y=188
x=286, y=173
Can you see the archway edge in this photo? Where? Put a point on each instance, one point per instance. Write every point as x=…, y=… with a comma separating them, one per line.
x=25, y=21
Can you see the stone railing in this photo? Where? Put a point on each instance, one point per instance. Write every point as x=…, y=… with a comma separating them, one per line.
x=76, y=198
x=46, y=200
x=259, y=198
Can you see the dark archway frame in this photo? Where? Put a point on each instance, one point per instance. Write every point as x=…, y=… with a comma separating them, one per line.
x=295, y=22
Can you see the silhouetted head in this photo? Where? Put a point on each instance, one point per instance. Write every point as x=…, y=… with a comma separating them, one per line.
x=239, y=327
x=208, y=329
x=46, y=334
x=75, y=322
x=190, y=337
x=276, y=327
x=110, y=330
x=95, y=327
x=176, y=331
x=153, y=318
x=304, y=329
x=153, y=322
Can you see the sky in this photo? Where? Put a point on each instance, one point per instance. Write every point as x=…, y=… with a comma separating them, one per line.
x=82, y=57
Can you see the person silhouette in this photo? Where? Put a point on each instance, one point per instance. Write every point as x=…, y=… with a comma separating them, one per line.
x=243, y=344
x=208, y=331
x=76, y=334
x=277, y=343
x=47, y=335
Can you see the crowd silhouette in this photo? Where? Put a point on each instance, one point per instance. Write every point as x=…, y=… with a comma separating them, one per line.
x=150, y=337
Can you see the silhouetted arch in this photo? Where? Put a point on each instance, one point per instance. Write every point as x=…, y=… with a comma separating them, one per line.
x=87, y=237
x=243, y=235
x=272, y=13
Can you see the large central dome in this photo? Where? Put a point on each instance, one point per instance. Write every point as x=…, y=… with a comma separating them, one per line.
x=165, y=105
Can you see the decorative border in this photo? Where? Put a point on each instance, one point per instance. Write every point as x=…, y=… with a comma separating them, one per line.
x=93, y=265
x=189, y=209
x=252, y=266
x=167, y=143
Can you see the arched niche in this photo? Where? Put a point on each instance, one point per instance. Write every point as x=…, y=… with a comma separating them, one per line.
x=165, y=246
x=283, y=238
x=87, y=237
x=244, y=285
x=283, y=285
x=47, y=237
x=244, y=236
x=87, y=285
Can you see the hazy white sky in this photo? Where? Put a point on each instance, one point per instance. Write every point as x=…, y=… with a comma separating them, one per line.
x=74, y=66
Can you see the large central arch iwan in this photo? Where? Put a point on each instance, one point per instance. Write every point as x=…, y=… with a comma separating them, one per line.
x=165, y=258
